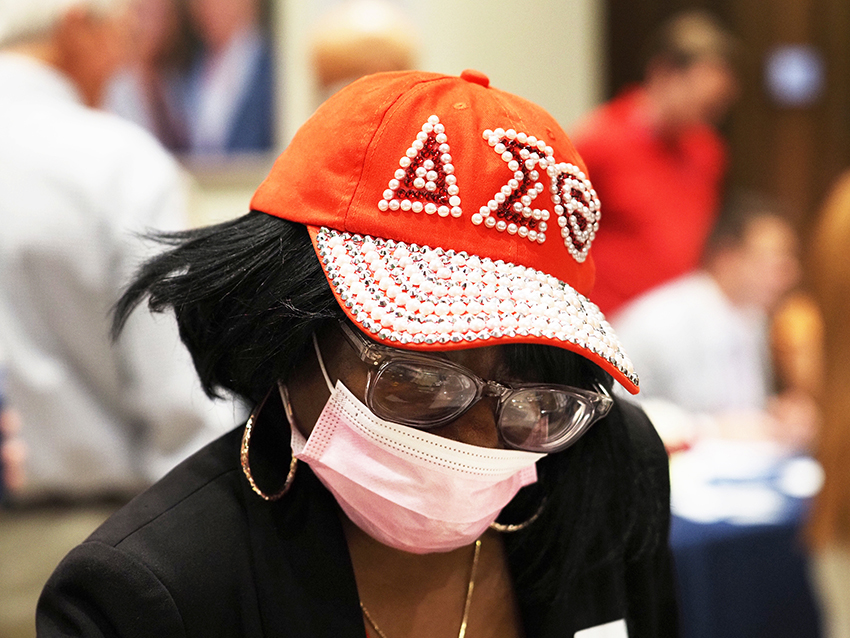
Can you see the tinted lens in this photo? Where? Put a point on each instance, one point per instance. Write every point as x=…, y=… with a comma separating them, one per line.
x=544, y=420
x=419, y=393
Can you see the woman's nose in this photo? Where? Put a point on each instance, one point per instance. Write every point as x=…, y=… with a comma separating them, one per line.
x=476, y=426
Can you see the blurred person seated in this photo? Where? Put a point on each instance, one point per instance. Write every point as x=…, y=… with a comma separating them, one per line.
x=229, y=92
x=12, y=451
x=829, y=529
x=100, y=420
x=702, y=340
x=148, y=89
x=359, y=37
x=657, y=161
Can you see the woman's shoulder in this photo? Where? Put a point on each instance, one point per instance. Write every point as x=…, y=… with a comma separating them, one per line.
x=211, y=475
x=164, y=555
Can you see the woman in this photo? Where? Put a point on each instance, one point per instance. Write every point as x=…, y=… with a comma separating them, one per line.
x=434, y=451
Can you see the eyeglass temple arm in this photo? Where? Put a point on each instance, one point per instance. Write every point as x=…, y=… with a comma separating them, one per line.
x=321, y=360
x=367, y=352
x=605, y=397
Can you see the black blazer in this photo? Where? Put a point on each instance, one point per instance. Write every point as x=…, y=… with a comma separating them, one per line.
x=199, y=554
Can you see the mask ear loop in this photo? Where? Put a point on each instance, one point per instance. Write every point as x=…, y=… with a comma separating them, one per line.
x=322, y=364
x=246, y=444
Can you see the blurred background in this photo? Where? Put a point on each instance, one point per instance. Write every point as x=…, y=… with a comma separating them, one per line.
x=788, y=134
x=224, y=84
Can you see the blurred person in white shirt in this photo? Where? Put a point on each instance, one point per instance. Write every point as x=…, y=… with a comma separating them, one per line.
x=701, y=341
x=79, y=185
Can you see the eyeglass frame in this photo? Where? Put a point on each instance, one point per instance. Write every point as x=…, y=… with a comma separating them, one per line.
x=379, y=356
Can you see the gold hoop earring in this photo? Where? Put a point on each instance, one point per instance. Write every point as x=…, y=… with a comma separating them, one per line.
x=246, y=464
x=515, y=527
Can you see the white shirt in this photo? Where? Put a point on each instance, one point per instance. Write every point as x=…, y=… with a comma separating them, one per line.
x=694, y=349
x=75, y=185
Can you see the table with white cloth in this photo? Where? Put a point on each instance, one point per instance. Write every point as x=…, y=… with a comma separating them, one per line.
x=736, y=534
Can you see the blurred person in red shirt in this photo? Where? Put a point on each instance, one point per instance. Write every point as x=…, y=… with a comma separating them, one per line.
x=657, y=161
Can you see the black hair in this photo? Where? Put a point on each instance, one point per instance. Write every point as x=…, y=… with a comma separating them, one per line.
x=247, y=295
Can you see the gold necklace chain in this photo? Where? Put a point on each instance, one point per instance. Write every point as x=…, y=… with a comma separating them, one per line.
x=466, y=603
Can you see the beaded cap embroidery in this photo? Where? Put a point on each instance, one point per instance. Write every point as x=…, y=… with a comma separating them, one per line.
x=576, y=203
x=425, y=180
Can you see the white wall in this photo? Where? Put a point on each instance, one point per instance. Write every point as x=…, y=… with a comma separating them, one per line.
x=548, y=51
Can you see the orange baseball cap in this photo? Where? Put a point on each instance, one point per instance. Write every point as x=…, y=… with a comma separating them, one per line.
x=448, y=214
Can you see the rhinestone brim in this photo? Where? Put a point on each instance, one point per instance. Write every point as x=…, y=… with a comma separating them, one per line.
x=406, y=294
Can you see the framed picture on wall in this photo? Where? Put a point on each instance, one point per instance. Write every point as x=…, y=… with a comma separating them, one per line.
x=201, y=76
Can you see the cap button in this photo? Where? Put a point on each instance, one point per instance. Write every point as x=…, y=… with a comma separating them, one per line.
x=476, y=77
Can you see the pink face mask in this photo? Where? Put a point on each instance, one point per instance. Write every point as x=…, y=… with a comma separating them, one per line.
x=408, y=488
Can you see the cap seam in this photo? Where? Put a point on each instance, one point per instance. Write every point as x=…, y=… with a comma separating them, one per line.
x=373, y=139
x=345, y=203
